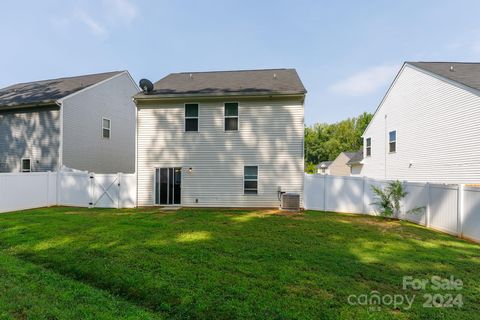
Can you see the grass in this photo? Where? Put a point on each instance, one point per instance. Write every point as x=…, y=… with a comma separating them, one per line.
x=67, y=263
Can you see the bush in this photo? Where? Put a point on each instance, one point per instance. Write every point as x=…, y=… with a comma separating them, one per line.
x=388, y=199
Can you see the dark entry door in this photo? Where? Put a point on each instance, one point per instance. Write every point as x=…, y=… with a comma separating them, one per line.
x=168, y=185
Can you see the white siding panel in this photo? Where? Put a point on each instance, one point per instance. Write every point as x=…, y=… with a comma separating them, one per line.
x=437, y=131
x=471, y=210
x=270, y=135
x=443, y=202
x=345, y=194
x=83, y=145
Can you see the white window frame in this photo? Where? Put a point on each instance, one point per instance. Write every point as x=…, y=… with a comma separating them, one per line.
x=185, y=117
x=367, y=147
x=392, y=141
x=109, y=128
x=258, y=180
x=21, y=165
x=231, y=117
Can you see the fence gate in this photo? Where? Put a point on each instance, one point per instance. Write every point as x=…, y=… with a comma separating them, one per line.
x=105, y=190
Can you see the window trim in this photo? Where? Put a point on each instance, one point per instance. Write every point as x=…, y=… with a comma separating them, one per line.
x=392, y=141
x=225, y=116
x=258, y=180
x=368, y=147
x=21, y=165
x=185, y=117
x=109, y=128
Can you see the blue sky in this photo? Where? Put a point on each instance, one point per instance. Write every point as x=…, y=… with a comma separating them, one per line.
x=346, y=52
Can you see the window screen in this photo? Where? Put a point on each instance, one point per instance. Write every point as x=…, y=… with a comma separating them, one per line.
x=250, y=180
x=231, y=116
x=191, y=117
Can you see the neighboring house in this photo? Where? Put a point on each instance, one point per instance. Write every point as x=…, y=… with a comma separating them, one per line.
x=337, y=167
x=85, y=122
x=323, y=167
x=228, y=138
x=355, y=163
x=427, y=126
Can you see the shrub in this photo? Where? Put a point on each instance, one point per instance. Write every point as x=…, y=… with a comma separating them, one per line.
x=388, y=199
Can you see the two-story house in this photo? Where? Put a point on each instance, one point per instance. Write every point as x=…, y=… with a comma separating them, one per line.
x=84, y=122
x=426, y=128
x=228, y=138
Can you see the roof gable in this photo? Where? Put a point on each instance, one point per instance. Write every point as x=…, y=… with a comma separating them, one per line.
x=464, y=73
x=48, y=91
x=219, y=83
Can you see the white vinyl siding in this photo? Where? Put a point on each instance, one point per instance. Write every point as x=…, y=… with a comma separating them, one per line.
x=439, y=123
x=270, y=137
x=84, y=147
x=32, y=133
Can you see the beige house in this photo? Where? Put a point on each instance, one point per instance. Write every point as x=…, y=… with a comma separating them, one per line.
x=221, y=139
x=338, y=167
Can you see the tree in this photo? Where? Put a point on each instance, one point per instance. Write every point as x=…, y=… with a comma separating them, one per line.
x=324, y=142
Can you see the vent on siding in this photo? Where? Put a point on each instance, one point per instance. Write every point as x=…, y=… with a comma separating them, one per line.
x=290, y=201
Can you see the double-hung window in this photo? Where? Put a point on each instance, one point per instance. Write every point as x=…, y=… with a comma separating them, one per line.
x=26, y=165
x=191, y=117
x=231, y=116
x=250, y=180
x=392, y=141
x=106, y=128
x=368, y=147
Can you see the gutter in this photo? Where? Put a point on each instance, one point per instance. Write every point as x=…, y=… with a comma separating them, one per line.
x=213, y=97
x=28, y=105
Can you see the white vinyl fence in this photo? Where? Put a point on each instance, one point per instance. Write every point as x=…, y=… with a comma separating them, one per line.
x=454, y=209
x=19, y=191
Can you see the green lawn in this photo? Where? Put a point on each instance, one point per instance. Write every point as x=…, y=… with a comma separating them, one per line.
x=64, y=263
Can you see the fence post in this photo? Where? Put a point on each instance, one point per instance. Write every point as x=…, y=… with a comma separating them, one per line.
x=58, y=188
x=427, y=216
x=325, y=192
x=91, y=177
x=119, y=183
x=364, y=196
x=460, y=200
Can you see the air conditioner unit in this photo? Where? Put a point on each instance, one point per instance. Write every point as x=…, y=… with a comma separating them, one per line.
x=290, y=201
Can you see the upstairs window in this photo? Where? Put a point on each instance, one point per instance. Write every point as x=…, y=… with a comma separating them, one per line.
x=191, y=117
x=392, y=141
x=250, y=180
x=231, y=116
x=26, y=165
x=368, y=147
x=106, y=128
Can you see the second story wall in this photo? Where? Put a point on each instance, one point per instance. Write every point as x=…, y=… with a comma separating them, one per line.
x=437, y=131
x=32, y=133
x=84, y=147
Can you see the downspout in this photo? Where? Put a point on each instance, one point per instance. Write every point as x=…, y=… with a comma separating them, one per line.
x=60, y=138
x=136, y=151
x=386, y=148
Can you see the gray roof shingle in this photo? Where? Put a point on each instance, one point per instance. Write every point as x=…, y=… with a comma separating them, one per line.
x=219, y=83
x=466, y=73
x=355, y=157
x=48, y=91
x=323, y=164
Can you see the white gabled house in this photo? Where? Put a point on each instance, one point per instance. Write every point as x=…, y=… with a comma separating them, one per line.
x=84, y=122
x=427, y=127
x=226, y=139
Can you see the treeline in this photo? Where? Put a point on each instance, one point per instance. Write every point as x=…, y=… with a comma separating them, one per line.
x=324, y=141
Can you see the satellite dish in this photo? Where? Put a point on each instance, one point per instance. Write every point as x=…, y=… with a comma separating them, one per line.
x=146, y=86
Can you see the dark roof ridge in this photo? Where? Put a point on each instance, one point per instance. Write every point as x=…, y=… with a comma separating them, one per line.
x=63, y=78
